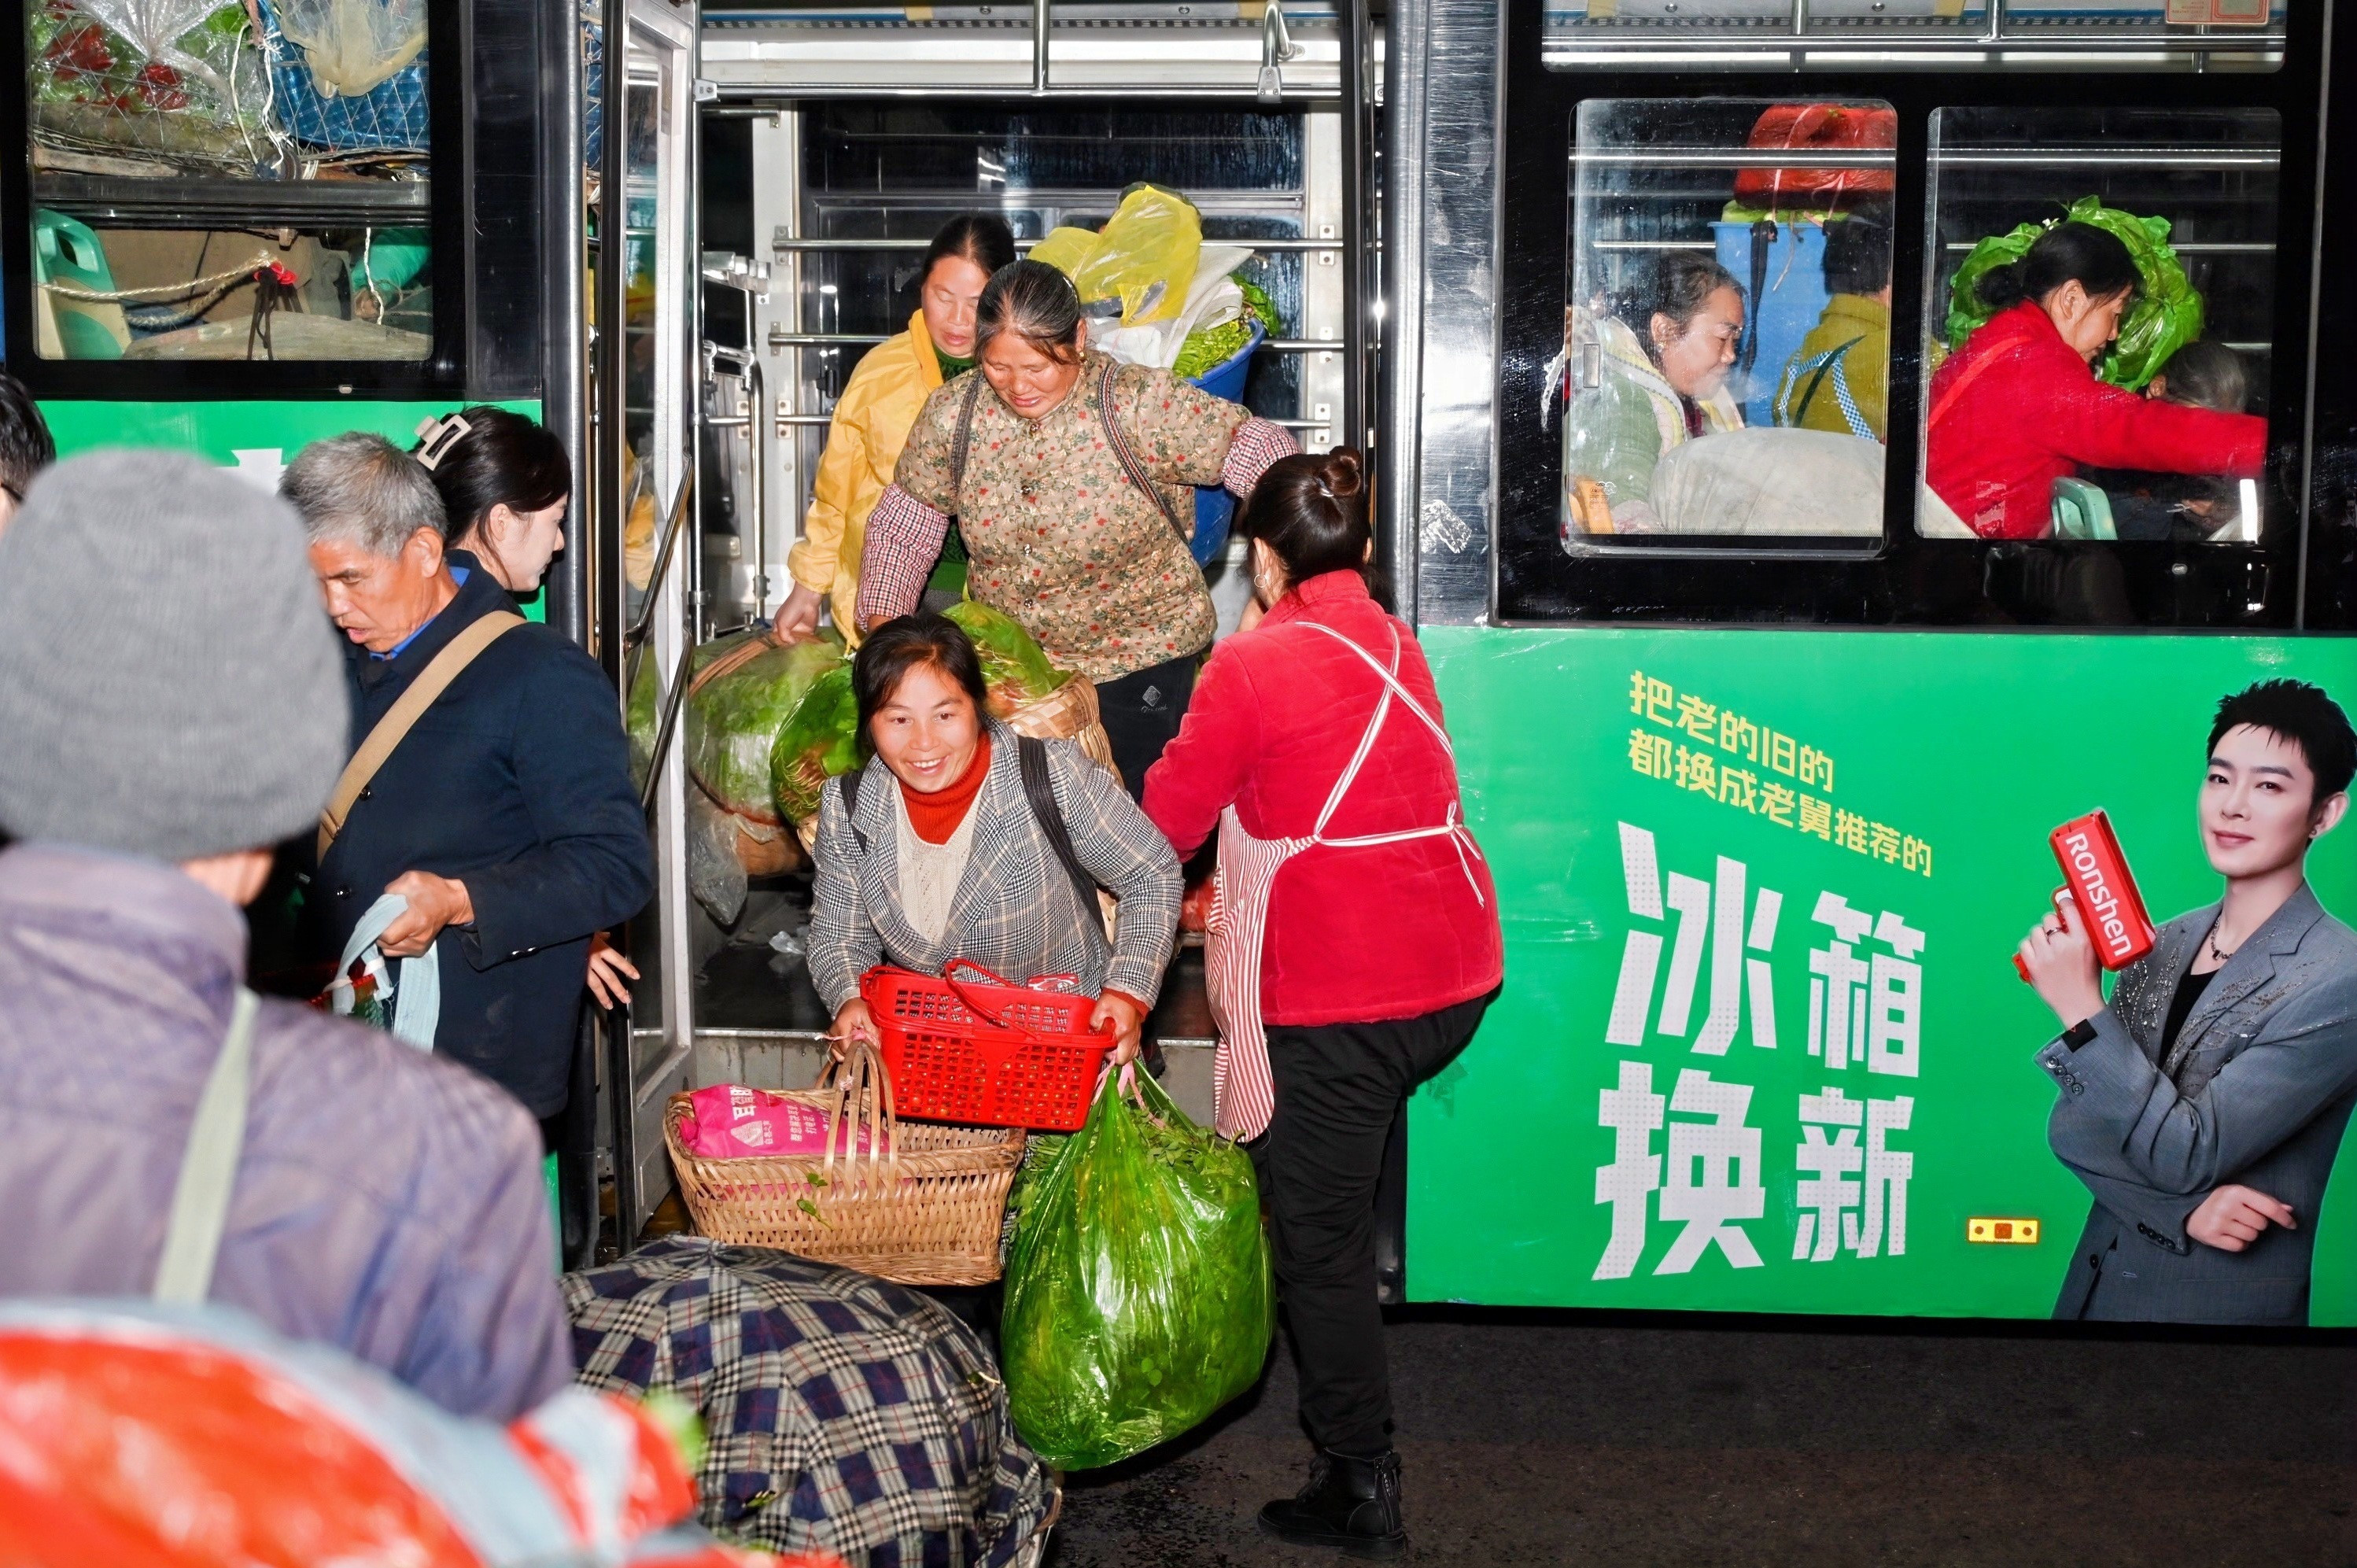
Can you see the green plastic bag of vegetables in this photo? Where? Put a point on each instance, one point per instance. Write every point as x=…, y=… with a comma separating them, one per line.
x=1138, y=1294
x=1017, y=674
x=2166, y=315
x=734, y=718
x=821, y=740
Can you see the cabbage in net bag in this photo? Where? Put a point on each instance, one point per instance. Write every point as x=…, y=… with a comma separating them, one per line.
x=1014, y=669
x=2165, y=316
x=821, y=740
x=733, y=719
x=1138, y=1294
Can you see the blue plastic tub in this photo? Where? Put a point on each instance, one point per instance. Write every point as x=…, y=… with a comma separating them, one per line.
x=1214, y=508
x=1792, y=302
x=392, y=116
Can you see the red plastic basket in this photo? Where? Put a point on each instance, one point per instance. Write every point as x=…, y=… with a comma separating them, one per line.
x=987, y=1052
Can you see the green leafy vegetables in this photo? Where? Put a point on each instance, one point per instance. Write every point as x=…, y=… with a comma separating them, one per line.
x=1138, y=1294
x=820, y=741
x=733, y=719
x=1208, y=348
x=1017, y=674
x=2165, y=316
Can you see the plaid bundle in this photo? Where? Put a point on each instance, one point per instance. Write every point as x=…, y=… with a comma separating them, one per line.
x=840, y=1411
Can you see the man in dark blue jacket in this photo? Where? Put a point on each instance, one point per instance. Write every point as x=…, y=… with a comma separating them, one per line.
x=505, y=816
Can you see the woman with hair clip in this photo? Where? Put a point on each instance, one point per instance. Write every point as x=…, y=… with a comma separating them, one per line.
x=1354, y=949
x=1070, y=476
x=872, y=419
x=504, y=482
x=2017, y=407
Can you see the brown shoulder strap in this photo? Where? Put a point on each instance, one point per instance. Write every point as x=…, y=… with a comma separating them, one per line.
x=390, y=730
x=964, y=439
x=1128, y=455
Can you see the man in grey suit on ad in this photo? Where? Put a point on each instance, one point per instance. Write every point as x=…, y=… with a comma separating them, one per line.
x=2203, y=1105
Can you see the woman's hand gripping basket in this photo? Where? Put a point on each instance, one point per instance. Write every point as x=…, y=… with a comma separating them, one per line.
x=917, y=1205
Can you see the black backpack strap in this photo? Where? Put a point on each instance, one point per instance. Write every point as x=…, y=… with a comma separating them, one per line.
x=851, y=806
x=1128, y=455
x=964, y=442
x=1040, y=791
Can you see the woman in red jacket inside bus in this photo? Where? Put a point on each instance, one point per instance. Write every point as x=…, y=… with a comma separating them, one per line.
x=2017, y=407
x=1313, y=742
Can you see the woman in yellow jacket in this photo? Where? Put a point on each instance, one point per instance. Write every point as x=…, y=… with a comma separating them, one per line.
x=873, y=416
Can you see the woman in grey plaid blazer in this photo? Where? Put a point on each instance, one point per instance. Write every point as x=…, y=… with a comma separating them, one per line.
x=943, y=855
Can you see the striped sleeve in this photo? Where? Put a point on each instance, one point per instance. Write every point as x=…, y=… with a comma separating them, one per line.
x=1256, y=443
x=904, y=538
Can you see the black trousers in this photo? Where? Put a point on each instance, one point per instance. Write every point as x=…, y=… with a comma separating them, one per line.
x=1141, y=712
x=1337, y=1087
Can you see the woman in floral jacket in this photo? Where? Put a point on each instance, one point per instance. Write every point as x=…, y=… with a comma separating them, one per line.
x=1071, y=477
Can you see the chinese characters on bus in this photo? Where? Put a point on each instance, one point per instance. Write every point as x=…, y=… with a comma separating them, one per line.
x=1695, y=1156
x=1693, y=744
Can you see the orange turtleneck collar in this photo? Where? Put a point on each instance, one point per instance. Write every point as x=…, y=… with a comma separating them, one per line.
x=936, y=816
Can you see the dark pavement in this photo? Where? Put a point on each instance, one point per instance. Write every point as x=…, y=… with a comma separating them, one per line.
x=1551, y=1440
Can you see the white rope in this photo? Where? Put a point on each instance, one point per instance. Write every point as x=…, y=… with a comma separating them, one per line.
x=162, y=291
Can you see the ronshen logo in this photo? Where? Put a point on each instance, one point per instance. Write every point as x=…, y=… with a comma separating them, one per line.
x=2093, y=880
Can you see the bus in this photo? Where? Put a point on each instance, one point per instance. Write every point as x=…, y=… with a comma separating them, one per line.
x=1764, y=741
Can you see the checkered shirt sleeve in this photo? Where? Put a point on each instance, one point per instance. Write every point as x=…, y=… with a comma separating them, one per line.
x=839, y=1411
x=1255, y=445
x=904, y=538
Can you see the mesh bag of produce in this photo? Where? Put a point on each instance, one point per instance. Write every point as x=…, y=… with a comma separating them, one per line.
x=1017, y=673
x=1138, y=1293
x=742, y=692
x=821, y=740
x=2165, y=316
x=174, y=81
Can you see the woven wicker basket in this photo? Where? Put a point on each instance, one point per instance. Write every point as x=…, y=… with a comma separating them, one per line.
x=1068, y=713
x=921, y=1207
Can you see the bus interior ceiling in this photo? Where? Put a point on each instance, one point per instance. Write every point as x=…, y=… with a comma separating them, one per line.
x=838, y=195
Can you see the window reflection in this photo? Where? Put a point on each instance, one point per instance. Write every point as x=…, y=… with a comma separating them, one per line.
x=1726, y=358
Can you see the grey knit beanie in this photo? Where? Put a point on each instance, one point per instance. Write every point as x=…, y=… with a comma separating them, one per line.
x=169, y=684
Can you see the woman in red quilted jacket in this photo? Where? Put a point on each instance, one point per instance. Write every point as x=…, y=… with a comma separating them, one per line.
x=2017, y=408
x=1353, y=948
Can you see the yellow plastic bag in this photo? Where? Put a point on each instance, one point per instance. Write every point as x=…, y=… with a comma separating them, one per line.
x=1145, y=256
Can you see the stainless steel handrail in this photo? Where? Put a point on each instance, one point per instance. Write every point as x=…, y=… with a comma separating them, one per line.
x=779, y=338
x=912, y=247
x=757, y=397
x=674, y=698
x=634, y=640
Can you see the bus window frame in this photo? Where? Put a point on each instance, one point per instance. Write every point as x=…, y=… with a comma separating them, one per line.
x=1905, y=579
x=466, y=289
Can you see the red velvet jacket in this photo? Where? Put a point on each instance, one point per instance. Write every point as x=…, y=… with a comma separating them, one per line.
x=1354, y=935
x=2001, y=436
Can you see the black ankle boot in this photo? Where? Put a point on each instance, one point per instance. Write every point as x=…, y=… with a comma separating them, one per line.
x=1351, y=1505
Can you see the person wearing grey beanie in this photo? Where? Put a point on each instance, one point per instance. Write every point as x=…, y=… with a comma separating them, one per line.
x=173, y=705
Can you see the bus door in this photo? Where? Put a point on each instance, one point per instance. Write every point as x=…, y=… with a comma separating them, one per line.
x=1787, y=579
x=646, y=585
x=834, y=145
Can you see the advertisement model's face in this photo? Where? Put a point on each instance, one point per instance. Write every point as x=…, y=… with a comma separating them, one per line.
x=2258, y=807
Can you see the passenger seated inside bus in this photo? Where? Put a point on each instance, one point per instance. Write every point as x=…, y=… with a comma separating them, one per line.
x=1839, y=380
x=1647, y=378
x=2017, y=407
x=2186, y=508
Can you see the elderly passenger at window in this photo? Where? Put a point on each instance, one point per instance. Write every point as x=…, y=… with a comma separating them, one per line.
x=1644, y=381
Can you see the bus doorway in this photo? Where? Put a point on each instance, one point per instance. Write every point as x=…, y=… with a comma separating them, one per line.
x=829, y=148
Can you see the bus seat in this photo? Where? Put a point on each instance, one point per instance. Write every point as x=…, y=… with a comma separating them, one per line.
x=1762, y=482
x=67, y=251
x=2082, y=510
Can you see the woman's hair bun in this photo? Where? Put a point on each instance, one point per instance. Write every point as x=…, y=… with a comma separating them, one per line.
x=2000, y=287
x=1343, y=472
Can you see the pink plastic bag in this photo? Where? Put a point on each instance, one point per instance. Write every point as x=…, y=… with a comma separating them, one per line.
x=730, y=1121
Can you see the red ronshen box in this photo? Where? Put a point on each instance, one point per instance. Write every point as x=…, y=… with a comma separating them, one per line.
x=2096, y=874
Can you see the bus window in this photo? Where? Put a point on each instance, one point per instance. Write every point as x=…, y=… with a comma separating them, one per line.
x=2096, y=342
x=240, y=182
x=1727, y=336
